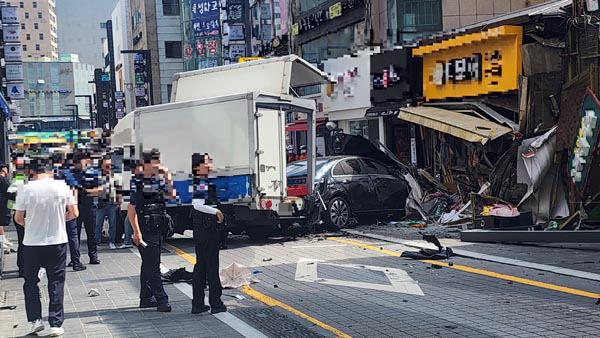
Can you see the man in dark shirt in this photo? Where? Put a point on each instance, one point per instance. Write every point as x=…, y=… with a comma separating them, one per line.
x=5, y=214
x=147, y=212
x=88, y=186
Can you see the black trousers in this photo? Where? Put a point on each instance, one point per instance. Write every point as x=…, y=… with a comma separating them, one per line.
x=150, y=281
x=73, y=234
x=20, y=255
x=207, y=242
x=54, y=259
x=87, y=218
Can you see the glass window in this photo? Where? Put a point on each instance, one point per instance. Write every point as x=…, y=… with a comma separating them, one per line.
x=41, y=36
x=26, y=15
x=329, y=46
x=24, y=48
x=339, y=170
x=36, y=25
x=170, y=7
x=39, y=15
x=352, y=167
x=21, y=5
x=37, y=47
x=375, y=168
x=22, y=26
x=34, y=4
x=173, y=49
x=28, y=36
x=409, y=19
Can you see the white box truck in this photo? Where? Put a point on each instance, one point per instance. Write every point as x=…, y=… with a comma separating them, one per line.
x=237, y=114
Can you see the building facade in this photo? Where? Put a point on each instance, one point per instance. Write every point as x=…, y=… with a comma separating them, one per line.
x=52, y=86
x=123, y=62
x=156, y=26
x=83, y=33
x=39, y=24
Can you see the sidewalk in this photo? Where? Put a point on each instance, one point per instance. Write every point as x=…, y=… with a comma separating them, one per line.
x=115, y=312
x=581, y=257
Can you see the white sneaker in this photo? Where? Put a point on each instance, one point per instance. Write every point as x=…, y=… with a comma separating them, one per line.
x=36, y=327
x=56, y=331
x=7, y=242
x=125, y=246
x=112, y=246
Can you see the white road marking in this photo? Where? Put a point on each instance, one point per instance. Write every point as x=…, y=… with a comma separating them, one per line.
x=230, y=320
x=400, y=281
x=318, y=246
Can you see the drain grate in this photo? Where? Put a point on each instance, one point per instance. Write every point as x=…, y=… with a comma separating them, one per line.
x=273, y=323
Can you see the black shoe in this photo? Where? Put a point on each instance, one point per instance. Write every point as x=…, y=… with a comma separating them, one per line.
x=164, y=307
x=79, y=267
x=70, y=264
x=94, y=261
x=200, y=309
x=219, y=309
x=148, y=303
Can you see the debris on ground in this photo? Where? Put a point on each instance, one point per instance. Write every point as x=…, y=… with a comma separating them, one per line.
x=235, y=276
x=267, y=259
x=440, y=253
x=177, y=275
x=93, y=293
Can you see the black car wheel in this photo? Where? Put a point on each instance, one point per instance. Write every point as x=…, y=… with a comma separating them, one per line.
x=338, y=213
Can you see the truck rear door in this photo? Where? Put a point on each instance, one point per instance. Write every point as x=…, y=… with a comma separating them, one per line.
x=271, y=164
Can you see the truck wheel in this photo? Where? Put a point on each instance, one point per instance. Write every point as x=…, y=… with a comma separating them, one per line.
x=338, y=214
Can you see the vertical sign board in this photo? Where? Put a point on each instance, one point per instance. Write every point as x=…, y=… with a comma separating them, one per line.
x=11, y=33
x=10, y=15
x=206, y=26
x=473, y=64
x=141, y=79
x=14, y=72
x=12, y=53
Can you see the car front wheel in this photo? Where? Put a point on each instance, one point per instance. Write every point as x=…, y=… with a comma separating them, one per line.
x=338, y=214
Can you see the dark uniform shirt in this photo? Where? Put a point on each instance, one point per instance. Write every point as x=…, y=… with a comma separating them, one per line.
x=148, y=190
x=82, y=180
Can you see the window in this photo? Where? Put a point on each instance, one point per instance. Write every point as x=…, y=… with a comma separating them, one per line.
x=21, y=5
x=413, y=18
x=26, y=15
x=103, y=25
x=170, y=7
x=173, y=49
x=36, y=25
x=28, y=36
x=34, y=4
x=24, y=48
x=37, y=47
x=376, y=168
x=39, y=15
x=348, y=167
x=41, y=36
x=23, y=26
x=169, y=91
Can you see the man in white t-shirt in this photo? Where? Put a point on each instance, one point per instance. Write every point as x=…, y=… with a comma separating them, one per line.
x=40, y=208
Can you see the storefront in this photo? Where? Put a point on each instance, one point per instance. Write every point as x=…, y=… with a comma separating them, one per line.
x=347, y=101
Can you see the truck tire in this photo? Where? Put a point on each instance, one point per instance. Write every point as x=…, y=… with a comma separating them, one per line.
x=339, y=214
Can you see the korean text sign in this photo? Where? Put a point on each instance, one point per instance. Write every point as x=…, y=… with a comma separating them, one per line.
x=472, y=64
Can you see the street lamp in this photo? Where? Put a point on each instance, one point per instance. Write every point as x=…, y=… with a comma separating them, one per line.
x=148, y=56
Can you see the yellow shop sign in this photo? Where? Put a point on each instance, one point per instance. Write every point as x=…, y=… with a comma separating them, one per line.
x=472, y=64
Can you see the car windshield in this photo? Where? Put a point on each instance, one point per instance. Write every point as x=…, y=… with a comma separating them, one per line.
x=298, y=168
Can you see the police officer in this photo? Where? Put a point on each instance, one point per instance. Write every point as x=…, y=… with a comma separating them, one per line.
x=207, y=222
x=147, y=215
x=89, y=186
x=61, y=164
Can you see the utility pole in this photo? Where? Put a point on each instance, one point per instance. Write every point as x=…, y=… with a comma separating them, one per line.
x=75, y=115
x=112, y=121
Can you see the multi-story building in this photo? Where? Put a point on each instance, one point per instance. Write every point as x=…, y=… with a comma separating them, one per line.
x=83, y=33
x=156, y=26
x=123, y=62
x=51, y=86
x=38, y=28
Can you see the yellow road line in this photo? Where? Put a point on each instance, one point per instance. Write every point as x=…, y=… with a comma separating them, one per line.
x=268, y=300
x=479, y=271
x=274, y=302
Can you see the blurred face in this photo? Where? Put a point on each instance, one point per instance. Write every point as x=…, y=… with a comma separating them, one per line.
x=204, y=169
x=106, y=164
x=152, y=163
x=4, y=171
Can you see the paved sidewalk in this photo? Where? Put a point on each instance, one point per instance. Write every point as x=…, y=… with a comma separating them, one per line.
x=583, y=257
x=115, y=312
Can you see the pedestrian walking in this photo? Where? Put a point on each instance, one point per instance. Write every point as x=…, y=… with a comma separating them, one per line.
x=61, y=164
x=108, y=205
x=207, y=222
x=147, y=212
x=88, y=186
x=40, y=208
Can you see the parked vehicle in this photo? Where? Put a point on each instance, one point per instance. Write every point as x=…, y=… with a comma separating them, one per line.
x=351, y=186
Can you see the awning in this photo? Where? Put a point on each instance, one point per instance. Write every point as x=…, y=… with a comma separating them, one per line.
x=466, y=127
x=300, y=125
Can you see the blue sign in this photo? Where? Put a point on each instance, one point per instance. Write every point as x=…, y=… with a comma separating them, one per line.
x=203, y=8
x=206, y=18
x=105, y=78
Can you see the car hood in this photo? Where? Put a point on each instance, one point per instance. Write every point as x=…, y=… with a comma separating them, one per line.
x=354, y=145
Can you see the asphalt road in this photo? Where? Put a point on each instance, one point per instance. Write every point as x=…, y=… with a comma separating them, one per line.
x=342, y=286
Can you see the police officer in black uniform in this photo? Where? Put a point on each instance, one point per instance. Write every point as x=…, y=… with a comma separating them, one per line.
x=150, y=185
x=208, y=224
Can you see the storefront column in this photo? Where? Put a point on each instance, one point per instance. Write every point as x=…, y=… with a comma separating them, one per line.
x=381, y=130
